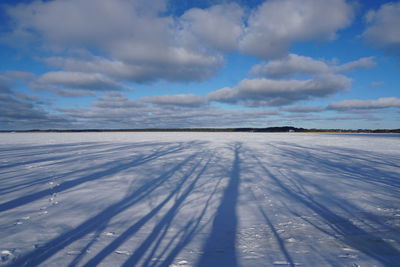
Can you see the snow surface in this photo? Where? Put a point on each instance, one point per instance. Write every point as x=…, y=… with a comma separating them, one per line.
x=199, y=199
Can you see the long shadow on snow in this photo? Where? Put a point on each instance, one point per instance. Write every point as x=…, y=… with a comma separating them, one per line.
x=71, y=159
x=220, y=247
x=183, y=237
x=98, y=221
x=340, y=160
x=113, y=169
x=161, y=228
x=342, y=228
x=275, y=233
x=136, y=226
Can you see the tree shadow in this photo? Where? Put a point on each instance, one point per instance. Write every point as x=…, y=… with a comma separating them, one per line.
x=182, y=196
x=98, y=222
x=275, y=233
x=152, y=243
x=187, y=234
x=108, y=169
x=371, y=167
x=332, y=223
x=220, y=247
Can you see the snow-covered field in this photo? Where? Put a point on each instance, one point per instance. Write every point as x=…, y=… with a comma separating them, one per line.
x=199, y=199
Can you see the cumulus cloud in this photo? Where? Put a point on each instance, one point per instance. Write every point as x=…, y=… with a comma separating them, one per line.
x=365, y=62
x=380, y=103
x=276, y=24
x=117, y=111
x=383, y=27
x=219, y=26
x=303, y=109
x=268, y=92
x=21, y=111
x=181, y=100
x=75, y=80
x=15, y=75
x=135, y=41
x=324, y=78
x=186, y=67
x=71, y=93
x=139, y=42
x=67, y=22
x=293, y=65
x=290, y=65
x=116, y=100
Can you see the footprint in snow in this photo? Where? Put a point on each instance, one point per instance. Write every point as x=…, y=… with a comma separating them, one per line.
x=44, y=212
x=74, y=252
x=122, y=252
x=21, y=221
x=109, y=233
x=6, y=256
x=285, y=263
x=180, y=263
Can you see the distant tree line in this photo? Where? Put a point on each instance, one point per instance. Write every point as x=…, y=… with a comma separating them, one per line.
x=281, y=129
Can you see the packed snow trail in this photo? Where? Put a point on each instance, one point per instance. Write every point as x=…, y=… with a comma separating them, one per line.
x=199, y=199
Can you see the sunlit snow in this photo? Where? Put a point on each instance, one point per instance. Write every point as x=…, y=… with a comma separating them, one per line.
x=199, y=199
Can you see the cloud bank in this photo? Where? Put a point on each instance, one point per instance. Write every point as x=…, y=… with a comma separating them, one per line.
x=380, y=103
x=295, y=65
x=268, y=92
x=383, y=27
x=134, y=41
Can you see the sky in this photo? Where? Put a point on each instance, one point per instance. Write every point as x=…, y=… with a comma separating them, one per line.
x=125, y=64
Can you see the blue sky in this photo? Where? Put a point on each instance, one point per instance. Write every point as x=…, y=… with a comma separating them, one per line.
x=76, y=64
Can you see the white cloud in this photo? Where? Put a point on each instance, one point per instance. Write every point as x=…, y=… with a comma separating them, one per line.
x=276, y=24
x=138, y=42
x=293, y=64
x=377, y=84
x=365, y=62
x=22, y=111
x=149, y=62
x=116, y=110
x=303, y=109
x=68, y=22
x=268, y=92
x=73, y=93
x=290, y=65
x=115, y=100
x=181, y=100
x=383, y=27
x=75, y=80
x=175, y=66
x=219, y=26
x=133, y=38
x=18, y=75
x=380, y=103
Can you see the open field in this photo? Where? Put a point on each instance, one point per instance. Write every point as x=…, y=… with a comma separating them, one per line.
x=199, y=199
